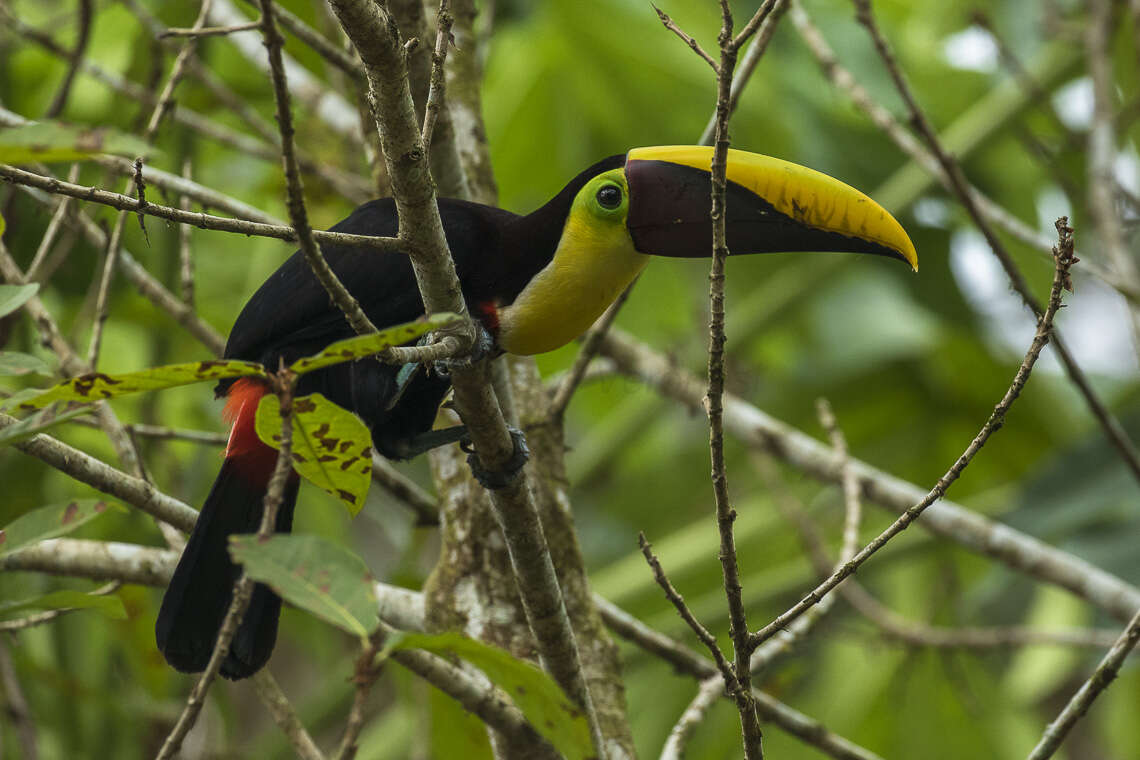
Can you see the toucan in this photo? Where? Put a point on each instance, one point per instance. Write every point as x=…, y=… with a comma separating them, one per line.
x=533, y=282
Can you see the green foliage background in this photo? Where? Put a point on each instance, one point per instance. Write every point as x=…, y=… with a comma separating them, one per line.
x=911, y=368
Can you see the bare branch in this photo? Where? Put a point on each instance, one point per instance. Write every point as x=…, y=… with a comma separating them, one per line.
x=17, y=706
x=706, y=638
x=685, y=660
x=298, y=215
x=86, y=469
x=209, y=31
x=784, y=640
x=946, y=518
x=844, y=81
x=748, y=64
x=1089, y=691
x=197, y=219
x=422, y=504
x=996, y=420
x=285, y=716
x=710, y=690
x=438, y=81
x=686, y=38
x=1111, y=426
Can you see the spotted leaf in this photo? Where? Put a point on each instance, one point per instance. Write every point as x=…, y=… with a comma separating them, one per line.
x=332, y=448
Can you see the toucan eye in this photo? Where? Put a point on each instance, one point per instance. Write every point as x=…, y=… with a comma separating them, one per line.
x=609, y=196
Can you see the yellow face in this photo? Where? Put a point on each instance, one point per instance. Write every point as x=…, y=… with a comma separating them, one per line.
x=595, y=260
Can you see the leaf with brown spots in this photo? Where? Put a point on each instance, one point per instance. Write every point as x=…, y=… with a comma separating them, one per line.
x=99, y=385
x=316, y=575
x=325, y=436
x=51, y=521
x=544, y=704
x=367, y=345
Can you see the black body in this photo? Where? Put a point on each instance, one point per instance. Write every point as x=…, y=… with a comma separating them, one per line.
x=496, y=253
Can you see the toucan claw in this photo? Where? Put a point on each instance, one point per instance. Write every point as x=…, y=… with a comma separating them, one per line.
x=495, y=480
x=481, y=348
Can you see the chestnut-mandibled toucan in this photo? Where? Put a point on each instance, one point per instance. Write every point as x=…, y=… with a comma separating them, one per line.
x=534, y=282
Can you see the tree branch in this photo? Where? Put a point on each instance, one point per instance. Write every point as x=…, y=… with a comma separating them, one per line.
x=1065, y=260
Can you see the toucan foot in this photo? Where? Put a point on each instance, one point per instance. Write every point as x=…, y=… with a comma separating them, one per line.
x=481, y=348
x=494, y=480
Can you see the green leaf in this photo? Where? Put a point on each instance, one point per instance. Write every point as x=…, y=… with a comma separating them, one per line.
x=367, y=345
x=109, y=605
x=95, y=386
x=49, y=522
x=16, y=363
x=13, y=297
x=42, y=420
x=51, y=141
x=533, y=691
x=315, y=574
x=332, y=448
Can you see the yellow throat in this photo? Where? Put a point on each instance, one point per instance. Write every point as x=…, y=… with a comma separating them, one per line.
x=595, y=260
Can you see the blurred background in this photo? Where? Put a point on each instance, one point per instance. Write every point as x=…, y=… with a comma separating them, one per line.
x=911, y=363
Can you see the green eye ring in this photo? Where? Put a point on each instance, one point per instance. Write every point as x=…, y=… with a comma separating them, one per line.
x=609, y=196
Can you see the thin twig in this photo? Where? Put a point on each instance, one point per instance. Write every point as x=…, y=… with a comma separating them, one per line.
x=782, y=642
x=165, y=103
x=197, y=219
x=59, y=102
x=709, y=691
x=31, y=621
x=209, y=31
x=748, y=64
x=243, y=588
x=1102, y=151
x=438, y=82
x=686, y=661
x=17, y=706
x=72, y=364
x=996, y=419
x=101, y=476
x=185, y=254
x=844, y=81
x=979, y=534
x=364, y=676
x=678, y=601
x=895, y=626
x=345, y=183
x=146, y=283
x=298, y=215
x=422, y=504
x=52, y=231
x=284, y=715
x=1075, y=709
x=1112, y=429
x=342, y=60
x=686, y=38
x=714, y=396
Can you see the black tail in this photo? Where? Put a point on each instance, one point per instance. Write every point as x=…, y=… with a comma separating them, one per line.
x=202, y=587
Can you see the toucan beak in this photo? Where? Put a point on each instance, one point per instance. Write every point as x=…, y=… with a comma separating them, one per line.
x=772, y=206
